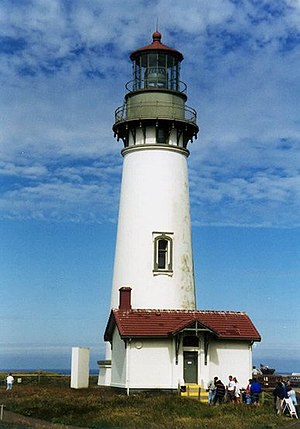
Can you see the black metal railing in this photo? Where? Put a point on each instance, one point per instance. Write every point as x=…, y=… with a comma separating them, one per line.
x=156, y=83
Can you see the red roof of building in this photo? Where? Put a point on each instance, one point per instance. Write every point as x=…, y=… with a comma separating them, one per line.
x=156, y=45
x=164, y=323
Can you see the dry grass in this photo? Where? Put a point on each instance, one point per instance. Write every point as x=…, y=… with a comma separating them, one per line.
x=105, y=408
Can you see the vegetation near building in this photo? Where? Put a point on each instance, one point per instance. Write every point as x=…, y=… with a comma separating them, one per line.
x=106, y=408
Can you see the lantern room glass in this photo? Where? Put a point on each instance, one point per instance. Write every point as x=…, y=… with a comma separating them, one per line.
x=156, y=70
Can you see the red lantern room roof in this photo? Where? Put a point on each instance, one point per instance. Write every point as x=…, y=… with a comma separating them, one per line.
x=156, y=45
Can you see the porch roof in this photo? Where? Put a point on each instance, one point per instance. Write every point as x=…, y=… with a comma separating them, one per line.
x=146, y=323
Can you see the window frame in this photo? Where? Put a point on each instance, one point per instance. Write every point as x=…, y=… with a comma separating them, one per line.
x=167, y=237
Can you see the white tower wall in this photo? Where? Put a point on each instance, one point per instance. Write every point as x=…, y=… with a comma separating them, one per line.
x=154, y=199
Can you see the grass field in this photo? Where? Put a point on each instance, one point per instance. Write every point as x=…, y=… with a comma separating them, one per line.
x=105, y=408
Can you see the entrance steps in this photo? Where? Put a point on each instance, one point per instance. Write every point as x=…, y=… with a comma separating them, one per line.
x=195, y=391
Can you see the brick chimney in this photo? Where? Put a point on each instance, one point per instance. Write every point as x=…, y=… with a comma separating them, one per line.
x=125, y=298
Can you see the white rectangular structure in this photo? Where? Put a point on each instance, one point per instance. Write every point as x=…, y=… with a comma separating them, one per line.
x=80, y=368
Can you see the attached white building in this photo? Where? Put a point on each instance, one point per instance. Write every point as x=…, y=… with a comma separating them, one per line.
x=161, y=349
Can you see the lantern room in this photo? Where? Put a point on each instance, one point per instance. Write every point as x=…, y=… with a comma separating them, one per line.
x=156, y=66
x=154, y=110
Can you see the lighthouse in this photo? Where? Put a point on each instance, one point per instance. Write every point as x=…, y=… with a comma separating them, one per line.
x=153, y=248
x=156, y=338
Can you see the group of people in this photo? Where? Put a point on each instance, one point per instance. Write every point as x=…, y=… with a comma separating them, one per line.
x=283, y=391
x=217, y=391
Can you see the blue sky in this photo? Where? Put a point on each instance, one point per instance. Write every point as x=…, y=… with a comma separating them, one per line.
x=63, y=66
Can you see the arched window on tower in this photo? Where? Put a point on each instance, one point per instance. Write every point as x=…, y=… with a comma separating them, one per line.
x=163, y=253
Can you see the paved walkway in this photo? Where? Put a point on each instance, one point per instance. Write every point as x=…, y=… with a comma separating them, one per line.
x=295, y=424
x=20, y=421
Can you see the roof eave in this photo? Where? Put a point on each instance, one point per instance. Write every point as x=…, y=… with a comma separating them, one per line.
x=172, y=334
x=110, y=327
x=220, y=337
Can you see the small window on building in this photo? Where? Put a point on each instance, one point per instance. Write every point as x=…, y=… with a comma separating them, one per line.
x=163, y=253
x=190, y=341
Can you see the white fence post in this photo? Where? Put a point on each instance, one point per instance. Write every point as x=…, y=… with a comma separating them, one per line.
x=1, y=411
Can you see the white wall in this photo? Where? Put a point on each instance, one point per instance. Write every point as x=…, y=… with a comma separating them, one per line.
x=231, y=358
x=151, y=364
x=154, y=198
x=145, y=364
x=224, y=358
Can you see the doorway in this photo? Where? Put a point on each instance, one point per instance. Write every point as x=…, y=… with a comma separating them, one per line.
x=190, y=370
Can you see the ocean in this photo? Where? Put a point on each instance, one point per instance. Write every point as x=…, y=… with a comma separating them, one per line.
x=93, y=371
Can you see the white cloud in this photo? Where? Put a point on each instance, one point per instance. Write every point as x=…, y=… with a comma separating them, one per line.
x=63, y=193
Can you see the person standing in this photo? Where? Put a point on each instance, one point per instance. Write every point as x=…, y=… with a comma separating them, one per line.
x=292, y=394
x=248, y=398
x=231, y=389
x=220, y=392
x=212, y=390
x=256, y=371
x=9, y=381
x=255, y=390
x=279, y=395
x=237, y=391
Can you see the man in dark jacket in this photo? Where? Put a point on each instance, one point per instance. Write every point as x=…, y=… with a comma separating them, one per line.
x=219, y=392
x=279, y=394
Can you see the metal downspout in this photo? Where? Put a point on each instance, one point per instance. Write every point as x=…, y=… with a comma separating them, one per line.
x=127, y=366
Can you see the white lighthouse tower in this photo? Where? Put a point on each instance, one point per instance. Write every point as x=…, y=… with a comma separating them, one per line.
x=156, y=338
x=153, y=249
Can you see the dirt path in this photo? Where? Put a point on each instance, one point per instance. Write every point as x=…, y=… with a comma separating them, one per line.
x=19, y=421
x=293, y=425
